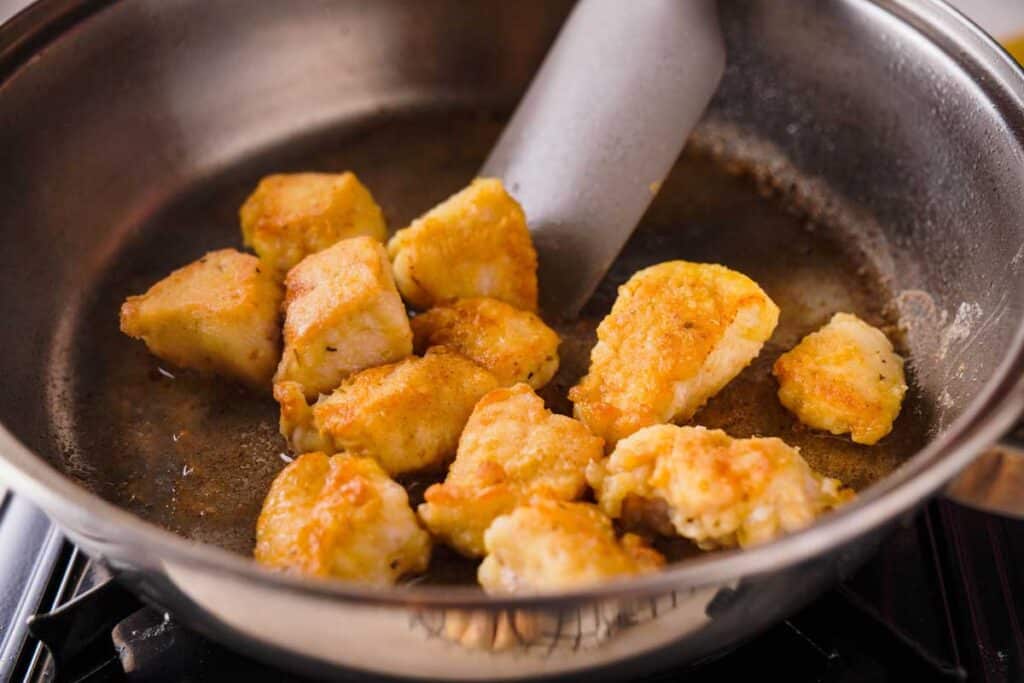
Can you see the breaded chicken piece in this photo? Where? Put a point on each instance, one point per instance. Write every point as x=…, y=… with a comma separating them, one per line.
x=677, y=334
x=297, y=424
x=550, y=545
x=408, y=415
x=475, y=243
x=290, y=216
x=511, y=450
x=340, y=517
x=342, y=314
x=516, y=346
x=218, y=314
x=843, y=378
x=713, y=489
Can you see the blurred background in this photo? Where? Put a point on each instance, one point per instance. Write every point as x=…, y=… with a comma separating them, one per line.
x=1004, y=19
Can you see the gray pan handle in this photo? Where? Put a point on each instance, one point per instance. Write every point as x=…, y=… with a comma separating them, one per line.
x=995, y=481
x=600, y=127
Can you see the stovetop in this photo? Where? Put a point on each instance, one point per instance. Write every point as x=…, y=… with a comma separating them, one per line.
x=942, y=600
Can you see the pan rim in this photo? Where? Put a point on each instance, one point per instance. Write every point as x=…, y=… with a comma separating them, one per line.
x=992, y=412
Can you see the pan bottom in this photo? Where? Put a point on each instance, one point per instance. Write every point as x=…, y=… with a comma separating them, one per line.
x=196, y=455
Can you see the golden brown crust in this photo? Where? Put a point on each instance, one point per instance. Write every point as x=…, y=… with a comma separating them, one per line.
x=291, y=215
x=297, y=423
x=549, y=545
x=678, y=332
x=340, y=517
x=406, y=415
x=845, y=377
x=715, y=490
x=515, y=345
x=217, y=314
x=342, y=314
x=475, y=243
x=512, y=449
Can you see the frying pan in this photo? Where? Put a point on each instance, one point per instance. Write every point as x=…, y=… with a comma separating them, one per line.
x=862, y=156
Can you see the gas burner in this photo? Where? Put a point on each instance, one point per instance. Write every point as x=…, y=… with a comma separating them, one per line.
x=940, y=601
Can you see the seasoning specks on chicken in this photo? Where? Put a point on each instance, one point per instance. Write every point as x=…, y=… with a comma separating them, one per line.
x=291, y=215
x=515, y=345
x=407, y=415
x=845, y=377
x=677, y=333
x=549, y=545
x=217, y=314
x=475, y=243
x=342, y=315
x=340, y=517
x=713, y=489
x=511, y=450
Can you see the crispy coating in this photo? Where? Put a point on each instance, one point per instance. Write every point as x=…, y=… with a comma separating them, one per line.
x=291, y=215
x=342, y=314
x=677, y=334
x=475, y=243
x=516, y=346
x=713, y=489
x=340, y=517
x=845, y=377
x=511, y=450
x=218, y=314
x=297, y=423
x=408, y=415
x=550, y=545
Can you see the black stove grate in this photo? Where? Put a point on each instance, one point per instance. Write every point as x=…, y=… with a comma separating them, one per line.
x=943, y=600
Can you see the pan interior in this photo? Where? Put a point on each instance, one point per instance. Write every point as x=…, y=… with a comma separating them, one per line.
x=196, y=455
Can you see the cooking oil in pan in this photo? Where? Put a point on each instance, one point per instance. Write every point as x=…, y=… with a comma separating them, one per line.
x=196, y=454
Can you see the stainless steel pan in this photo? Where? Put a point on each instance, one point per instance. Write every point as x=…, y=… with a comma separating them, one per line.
x=860, y=155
